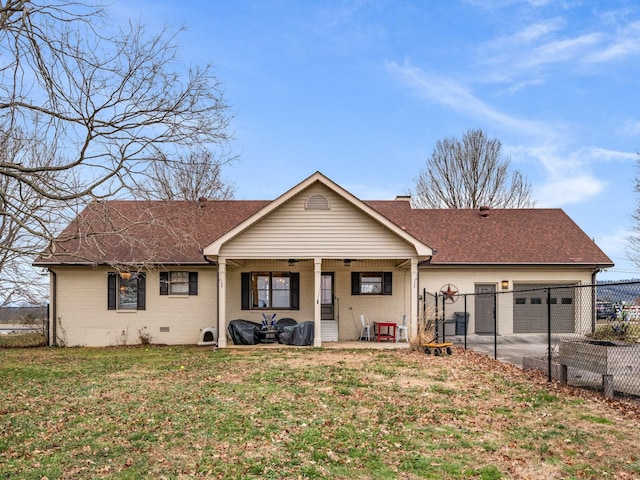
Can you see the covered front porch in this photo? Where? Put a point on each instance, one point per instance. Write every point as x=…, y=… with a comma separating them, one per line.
x=331, y=293
x=317, y=253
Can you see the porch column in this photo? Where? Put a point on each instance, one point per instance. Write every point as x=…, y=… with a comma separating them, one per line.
x=222, y=303
x=317, y=285
x=415, y=294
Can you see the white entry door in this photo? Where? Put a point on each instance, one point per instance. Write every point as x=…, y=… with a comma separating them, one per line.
x=327, y=308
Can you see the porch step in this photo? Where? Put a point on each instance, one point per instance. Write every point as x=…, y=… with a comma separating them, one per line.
x=329, y=331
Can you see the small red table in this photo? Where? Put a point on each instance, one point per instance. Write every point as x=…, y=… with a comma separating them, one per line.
x=390, y=332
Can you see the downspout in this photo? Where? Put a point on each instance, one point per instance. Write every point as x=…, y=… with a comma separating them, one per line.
x=53, y=312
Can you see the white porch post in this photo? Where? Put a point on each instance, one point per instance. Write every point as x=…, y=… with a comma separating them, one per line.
x=222, y=303
x=317, y=284
x=415, y=294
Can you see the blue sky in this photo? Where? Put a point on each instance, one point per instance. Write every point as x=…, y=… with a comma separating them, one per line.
x=362, y=91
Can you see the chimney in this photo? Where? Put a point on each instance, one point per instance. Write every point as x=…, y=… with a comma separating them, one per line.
x=403, y=198
x=484, y=211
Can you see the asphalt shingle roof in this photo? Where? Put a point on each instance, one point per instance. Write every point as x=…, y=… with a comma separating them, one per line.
x=520, y=236
x=175, y=232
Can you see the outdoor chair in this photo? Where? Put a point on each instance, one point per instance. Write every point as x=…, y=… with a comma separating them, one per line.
x=285, y=322
x=366, y=331
x=402, y=330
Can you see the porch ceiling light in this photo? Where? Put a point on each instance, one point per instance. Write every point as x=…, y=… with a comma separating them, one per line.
x=347, y=262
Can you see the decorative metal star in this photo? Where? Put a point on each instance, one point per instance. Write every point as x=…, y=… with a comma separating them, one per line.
x=449, y=293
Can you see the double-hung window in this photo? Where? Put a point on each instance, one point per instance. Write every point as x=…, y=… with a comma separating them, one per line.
x=178, y=283
x=126, y=291
x=371, y=283
x=270, y=290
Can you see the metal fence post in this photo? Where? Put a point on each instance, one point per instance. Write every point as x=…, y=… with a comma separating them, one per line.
x=495, y=325
x=47, y=325
x=444, y=321
x=435, y=327
x=465, y=321
x=549, y=335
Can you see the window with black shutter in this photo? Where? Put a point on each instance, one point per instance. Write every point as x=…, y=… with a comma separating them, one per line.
x=371, y=283
x=126, y=291
x=270, y=290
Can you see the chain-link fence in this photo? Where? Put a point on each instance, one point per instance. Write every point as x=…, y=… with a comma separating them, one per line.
x=583, y=335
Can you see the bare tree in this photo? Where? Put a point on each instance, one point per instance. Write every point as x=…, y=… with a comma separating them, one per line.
x=633, y=240
x=91, y=110
x=24, y=212
x=193, y=176
x=470, y=173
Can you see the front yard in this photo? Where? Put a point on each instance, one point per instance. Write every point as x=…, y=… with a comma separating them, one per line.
x=187, y=412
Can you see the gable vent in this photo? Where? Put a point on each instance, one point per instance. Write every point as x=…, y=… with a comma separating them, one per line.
x=317, y=202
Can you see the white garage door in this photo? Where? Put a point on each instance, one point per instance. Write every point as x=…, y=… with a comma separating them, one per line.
x=530, y=309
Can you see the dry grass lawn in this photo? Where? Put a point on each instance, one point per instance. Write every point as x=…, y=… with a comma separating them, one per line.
x=187, y=412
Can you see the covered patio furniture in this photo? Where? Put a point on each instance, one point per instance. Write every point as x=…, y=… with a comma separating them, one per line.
x=301, y=334
x=285, y=322
x=244, y=332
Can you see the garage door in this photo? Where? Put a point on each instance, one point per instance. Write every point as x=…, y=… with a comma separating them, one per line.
x=530, y=309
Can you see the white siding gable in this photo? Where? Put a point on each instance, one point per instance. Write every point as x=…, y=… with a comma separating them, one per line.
x=293, y=230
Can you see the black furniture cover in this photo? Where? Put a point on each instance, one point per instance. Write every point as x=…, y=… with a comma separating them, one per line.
x=302, y=334
x=285, y=322
x=244, y=332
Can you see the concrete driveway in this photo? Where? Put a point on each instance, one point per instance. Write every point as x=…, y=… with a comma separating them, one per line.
x=510, y=348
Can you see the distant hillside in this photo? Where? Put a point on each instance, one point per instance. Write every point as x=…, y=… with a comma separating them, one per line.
x=627, y=291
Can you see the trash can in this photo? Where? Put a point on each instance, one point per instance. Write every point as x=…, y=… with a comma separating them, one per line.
x=462, y=320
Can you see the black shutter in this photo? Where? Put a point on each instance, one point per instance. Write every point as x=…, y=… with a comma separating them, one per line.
x=193, y=283
x=246, y=290
x=355, y=283
x=164, y=283
x=112, y=288
x=142, y=294
x=387, y=278
x=295, y=290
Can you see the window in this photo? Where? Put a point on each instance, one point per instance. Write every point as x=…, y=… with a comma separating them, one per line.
x=126, y=291
x=371, y=283
x=567, y=301
x=536, y=301
x=270, y=290
x=521, y=301
x=178, y=283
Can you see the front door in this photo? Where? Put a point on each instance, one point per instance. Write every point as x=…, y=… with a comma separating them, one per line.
x=327, y=308
x=326, y=297
x=484, y=306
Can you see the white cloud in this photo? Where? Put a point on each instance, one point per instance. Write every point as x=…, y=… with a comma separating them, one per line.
x=597, y=154
x=560, y=191
x=568, y=177
x=494, y=4
x=450, y=93
x=536, y=51
x=561, y=51
x=534, y=32
x=624, y=43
